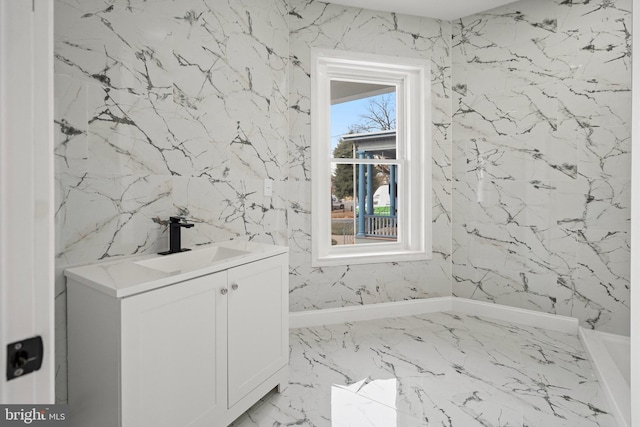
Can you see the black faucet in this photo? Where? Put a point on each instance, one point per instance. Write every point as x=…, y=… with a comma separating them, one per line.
x=174, y=235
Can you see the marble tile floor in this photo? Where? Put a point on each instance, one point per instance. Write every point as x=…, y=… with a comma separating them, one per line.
x=442, y=369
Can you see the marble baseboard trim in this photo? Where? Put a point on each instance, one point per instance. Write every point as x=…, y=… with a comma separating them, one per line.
x=551, y=322
x=599, y=346
x=310, y=318
x=330, y=316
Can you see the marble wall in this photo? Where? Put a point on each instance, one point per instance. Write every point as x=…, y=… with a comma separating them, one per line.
x=167, y=107
x=321, y=25
x=541, y=158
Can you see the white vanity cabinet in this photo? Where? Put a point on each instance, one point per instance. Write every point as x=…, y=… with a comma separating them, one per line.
x=195, y=353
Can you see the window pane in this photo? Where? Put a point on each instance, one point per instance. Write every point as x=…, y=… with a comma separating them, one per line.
x=363, y=120
x=364, y=203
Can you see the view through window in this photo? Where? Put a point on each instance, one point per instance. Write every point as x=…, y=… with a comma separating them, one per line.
x=364, y=197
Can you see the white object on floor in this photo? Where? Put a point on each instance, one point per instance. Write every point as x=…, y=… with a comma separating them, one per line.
x=610, y=355
x=366, y=403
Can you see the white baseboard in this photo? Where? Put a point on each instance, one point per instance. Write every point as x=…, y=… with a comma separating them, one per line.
x=310, y=318
x=521, y=316
x=357, y=313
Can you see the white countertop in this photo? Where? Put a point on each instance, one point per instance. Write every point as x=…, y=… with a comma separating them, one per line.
x=121, y=277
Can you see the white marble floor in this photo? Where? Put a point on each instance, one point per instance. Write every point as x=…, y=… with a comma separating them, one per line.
x=440, y=369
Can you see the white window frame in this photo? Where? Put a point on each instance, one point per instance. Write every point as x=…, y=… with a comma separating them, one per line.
x=412, y=80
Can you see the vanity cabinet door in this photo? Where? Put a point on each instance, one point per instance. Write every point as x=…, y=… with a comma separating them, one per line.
x=174, y=355
x=257, y=324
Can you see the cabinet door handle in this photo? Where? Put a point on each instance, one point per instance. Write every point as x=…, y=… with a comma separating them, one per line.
x=223, y=291
x=234, y=286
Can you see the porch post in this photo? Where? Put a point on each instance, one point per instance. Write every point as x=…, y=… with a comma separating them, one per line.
x=361, y=195
x=393, y=176
x=369, y=186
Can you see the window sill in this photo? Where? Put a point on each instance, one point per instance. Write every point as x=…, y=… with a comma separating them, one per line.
x=363, y=257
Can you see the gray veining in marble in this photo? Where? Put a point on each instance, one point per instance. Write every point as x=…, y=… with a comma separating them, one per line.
x=441, y=369
x=167, y=107
x=541, y=158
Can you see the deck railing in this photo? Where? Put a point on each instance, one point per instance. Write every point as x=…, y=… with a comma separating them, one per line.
x=381, y=226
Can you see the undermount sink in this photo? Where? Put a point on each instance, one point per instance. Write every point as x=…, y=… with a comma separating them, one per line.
x=191, y=260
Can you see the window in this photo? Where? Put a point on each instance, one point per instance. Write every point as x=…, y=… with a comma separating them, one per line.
x=371, y=199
